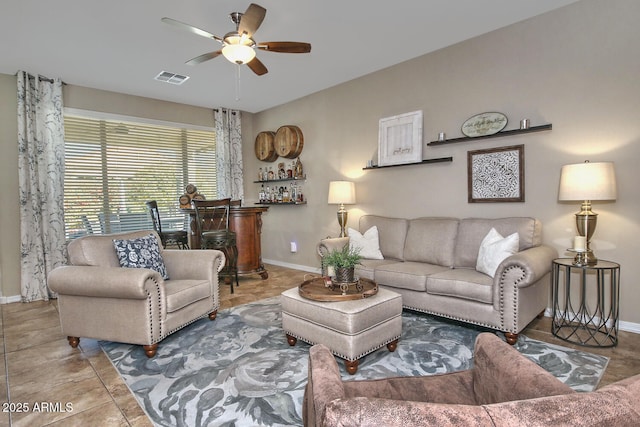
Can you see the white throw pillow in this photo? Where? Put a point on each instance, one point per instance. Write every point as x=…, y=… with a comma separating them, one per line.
x=494, y=249
x=367, y=243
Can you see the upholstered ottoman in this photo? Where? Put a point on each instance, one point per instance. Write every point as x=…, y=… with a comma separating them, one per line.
x=351, y=329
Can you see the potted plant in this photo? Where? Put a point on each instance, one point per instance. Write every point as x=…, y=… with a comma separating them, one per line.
x=343, y=262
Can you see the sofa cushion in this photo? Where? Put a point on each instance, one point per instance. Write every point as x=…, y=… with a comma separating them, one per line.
x=471, y=231
x=461, y=283
x=367, y=267
x=494, y=249
x=406, y=275
x=431, y=240
x=367, y=244
x=392, y=233
x=142, y=252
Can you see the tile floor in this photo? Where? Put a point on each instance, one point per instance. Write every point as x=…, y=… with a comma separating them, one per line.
x=44, y=374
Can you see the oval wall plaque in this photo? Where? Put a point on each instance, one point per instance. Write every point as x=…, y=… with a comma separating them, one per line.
x=484, y=124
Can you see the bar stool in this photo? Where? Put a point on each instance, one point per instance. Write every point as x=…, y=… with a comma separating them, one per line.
x=212, y=225
x=178, y=238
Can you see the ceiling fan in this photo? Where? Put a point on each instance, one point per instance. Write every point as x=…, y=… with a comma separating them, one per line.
x=239, y=46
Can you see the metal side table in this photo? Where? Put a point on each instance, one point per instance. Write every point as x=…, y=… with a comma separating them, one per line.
x=587, y=313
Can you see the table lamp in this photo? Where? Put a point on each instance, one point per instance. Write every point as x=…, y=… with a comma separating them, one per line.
x=342, y=192
x=587, y=182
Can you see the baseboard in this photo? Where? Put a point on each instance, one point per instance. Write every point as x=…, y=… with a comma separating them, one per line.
x=293, y=266
x=629, y=327
x=9, y=300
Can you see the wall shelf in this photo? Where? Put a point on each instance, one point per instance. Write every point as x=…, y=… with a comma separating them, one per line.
x=303, y=178
x=495, y=135
x=284, y=180
x=281, y=203
x=438, y=160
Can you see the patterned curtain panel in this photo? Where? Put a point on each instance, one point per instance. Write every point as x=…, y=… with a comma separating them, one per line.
x=229, y=153
x=41, y=180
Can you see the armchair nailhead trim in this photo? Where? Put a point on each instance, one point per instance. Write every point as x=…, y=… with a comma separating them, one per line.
x=188, y=323
x=515, y=297
x=150, y=306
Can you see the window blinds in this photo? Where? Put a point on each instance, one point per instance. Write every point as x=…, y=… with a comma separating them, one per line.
x=113, y=167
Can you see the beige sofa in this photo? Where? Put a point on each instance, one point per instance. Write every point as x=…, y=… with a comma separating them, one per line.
x=503, y=388
x=97, y=298
x=431, y=262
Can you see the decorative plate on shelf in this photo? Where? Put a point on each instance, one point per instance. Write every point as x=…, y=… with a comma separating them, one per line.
x=484, y=124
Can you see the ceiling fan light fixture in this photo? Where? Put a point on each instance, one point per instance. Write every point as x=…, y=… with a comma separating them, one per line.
x=238, y=53
x=238, y=48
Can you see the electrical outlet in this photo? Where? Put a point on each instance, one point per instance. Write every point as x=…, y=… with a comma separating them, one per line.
x=294, y=247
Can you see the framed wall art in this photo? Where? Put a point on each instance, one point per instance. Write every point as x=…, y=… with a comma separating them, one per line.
x=400, y=139
x=496, y=175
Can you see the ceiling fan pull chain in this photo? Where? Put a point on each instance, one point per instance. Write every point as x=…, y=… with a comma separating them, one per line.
x=237, y=82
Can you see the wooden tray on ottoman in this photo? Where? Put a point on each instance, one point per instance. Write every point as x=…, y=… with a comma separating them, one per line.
x=316, y=290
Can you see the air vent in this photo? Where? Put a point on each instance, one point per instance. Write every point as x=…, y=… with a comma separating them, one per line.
x=174, y=79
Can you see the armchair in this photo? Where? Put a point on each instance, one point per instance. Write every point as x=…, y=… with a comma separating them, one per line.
x=97, y=298
x=503, y=389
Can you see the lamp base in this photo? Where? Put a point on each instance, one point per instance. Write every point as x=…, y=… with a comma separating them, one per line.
x=342, y=220
x=591, y=258
x=586, y=221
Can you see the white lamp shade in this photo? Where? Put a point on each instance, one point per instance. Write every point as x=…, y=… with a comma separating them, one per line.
x=342, y=192
x=588, y=181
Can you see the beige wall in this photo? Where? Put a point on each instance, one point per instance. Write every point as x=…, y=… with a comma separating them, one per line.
x=9, y=198
x=576, y=68
x=84, y=98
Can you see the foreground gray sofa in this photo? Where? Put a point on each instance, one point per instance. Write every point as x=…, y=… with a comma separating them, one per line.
x=431, y=262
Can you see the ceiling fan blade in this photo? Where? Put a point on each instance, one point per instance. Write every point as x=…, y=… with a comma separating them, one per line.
x=257, y=66
x=191, y=29
x=251, y=19
x=285, y=47
x=204, y=57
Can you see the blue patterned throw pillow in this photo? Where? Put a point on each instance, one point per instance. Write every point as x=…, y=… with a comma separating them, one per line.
x=143, y=252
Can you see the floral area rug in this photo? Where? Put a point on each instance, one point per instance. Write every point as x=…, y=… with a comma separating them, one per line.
x=239, y=370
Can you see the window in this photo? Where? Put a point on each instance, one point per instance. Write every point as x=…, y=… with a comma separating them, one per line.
x=112, y=167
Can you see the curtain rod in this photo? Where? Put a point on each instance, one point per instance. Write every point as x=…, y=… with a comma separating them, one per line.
x=224, y=110
x=46, y=79
x=42, y=78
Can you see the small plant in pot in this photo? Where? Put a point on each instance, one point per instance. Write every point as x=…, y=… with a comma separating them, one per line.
x=343, y=262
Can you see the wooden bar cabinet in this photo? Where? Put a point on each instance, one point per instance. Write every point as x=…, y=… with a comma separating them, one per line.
x=247, y=223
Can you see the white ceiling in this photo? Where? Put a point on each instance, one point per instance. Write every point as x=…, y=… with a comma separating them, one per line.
x=121, y=45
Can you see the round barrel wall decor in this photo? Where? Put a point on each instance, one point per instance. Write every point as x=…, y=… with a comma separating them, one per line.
x=265, y=147
x=289, y=141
